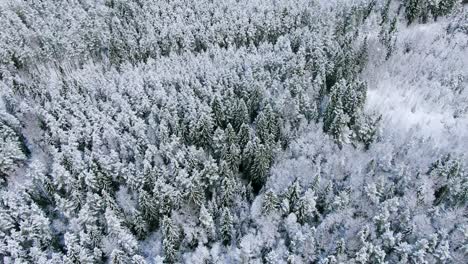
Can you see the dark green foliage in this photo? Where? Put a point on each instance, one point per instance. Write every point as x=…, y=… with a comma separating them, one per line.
x=218, y=112
x=335, y=118
x=260, y=165
x=420, y=10
x=451, y=182
x=241, y=115
x=226, y=226
x=412, y=10
x=270, y=202
x=244, y=135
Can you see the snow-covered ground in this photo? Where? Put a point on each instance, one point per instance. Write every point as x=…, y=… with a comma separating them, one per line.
x=422, y=87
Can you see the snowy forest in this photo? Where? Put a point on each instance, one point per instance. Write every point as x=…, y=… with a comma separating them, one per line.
x=233, y=131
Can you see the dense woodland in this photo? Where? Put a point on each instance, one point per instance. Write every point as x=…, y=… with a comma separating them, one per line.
x=233, y=131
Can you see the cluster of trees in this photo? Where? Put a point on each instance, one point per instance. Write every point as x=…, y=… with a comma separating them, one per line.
x=144, y=132
x=135, y=31
x=13, y=151
x=379, y=206
x=424, y=10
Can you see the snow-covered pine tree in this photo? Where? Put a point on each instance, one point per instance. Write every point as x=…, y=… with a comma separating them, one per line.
x=11, y=150
x=171, y=239
x=226, y=226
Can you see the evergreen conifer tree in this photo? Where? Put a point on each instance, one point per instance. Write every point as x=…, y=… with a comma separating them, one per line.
x=226, y=226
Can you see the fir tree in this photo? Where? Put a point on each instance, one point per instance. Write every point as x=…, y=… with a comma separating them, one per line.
x=219, y=143
x=243, y=135
x=232, y=156
x=118, y=257
x=228, y=189
x=10, y=150
x=336, y=120
x=206, y=221
x=412, y=10
x=226, y=226
x=241, y=115
x=306, y=208
x=270, y=202
x=446, y=6
x=260, y=166
x=263, y=126
x=202, y=130
x=170, y=240
x=218, y=112
x=230, y=135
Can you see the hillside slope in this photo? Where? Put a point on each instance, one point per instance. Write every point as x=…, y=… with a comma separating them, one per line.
x=233, y=131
